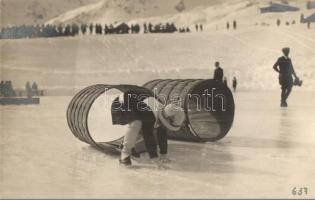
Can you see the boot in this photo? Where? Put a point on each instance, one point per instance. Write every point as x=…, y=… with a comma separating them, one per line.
x=284, y=104
x=125, y=162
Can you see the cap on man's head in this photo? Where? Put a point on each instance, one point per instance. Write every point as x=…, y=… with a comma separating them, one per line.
x=286, y=50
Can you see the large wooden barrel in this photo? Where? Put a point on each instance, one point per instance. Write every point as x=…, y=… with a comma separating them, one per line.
x=208, y=104
x=89, y=116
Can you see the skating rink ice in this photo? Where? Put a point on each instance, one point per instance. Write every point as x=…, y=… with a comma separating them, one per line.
x=268, y=152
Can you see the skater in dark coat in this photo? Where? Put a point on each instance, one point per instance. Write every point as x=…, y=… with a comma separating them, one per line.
x=234, y=83
x=144, y=113
x=218, y=72
x=225, y=81
x=285, y=69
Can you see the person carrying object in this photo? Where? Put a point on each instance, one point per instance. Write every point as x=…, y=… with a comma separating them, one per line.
x=285, y=69
x=143, y=113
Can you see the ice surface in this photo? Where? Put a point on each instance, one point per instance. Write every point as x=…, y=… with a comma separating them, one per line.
x=268, y=151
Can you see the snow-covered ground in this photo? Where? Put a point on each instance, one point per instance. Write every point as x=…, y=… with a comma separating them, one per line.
x=267, y=153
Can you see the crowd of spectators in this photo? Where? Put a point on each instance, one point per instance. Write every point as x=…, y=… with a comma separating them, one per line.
x=50, y=30
x=7, y=90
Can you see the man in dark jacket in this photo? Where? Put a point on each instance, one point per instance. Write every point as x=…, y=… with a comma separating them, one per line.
x=144, y=113
x=285, y=69
x=218, y=72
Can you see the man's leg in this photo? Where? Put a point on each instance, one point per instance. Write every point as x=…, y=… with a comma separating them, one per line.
x=130, y=138
x=148, y=136
x=283, y=94
x=287, y=93
x=162, y=139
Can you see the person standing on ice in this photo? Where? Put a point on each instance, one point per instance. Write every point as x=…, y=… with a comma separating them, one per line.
x=225, y=81
x=285, y=69
x=234, y=83
x=218, y=72
x=144, y=113
x=234, y=24
x=227, y=25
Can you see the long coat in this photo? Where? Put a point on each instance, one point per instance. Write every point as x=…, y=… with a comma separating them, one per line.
x=218, y=74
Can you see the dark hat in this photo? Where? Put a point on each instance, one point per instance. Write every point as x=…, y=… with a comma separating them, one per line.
x=286, y=50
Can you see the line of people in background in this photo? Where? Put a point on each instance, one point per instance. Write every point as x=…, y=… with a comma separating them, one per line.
x=49, y=30
x=219, y=76
x=234, y=23
x=199, y=27
x=288, y=22
x=7, y=90
x=159, y=28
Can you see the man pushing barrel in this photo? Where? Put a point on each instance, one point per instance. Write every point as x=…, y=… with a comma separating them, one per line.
x=143, y=113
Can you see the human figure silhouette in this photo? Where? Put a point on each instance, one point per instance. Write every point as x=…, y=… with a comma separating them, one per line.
x=234, y=83
x=285, y=69
x=218, y=72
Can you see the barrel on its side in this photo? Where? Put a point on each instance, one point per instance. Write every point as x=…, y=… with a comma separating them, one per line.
x=208, y=105
x=89, y=119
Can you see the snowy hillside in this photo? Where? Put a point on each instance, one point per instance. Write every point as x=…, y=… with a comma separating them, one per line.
x=19, y=12
x=110, y=11
x=182, y=12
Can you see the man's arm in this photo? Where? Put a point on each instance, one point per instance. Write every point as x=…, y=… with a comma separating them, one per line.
x=275, y=66
x=292, y=70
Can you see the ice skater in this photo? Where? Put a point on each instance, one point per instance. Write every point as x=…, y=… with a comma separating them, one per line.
x=143, y=113
x=234, y=84
x=285, y=69
x=225, y=81
x=218, y=72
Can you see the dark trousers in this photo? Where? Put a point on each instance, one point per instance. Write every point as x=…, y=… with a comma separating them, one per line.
x=285, y=92
x=286, y=83
x=148, y=121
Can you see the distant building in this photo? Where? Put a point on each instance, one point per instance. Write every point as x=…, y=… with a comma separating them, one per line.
x=278, y=7
x=308, y=19
x=310, y=5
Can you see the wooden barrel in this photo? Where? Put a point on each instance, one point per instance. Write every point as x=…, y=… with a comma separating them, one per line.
x=89, y=116
x=208, y=105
